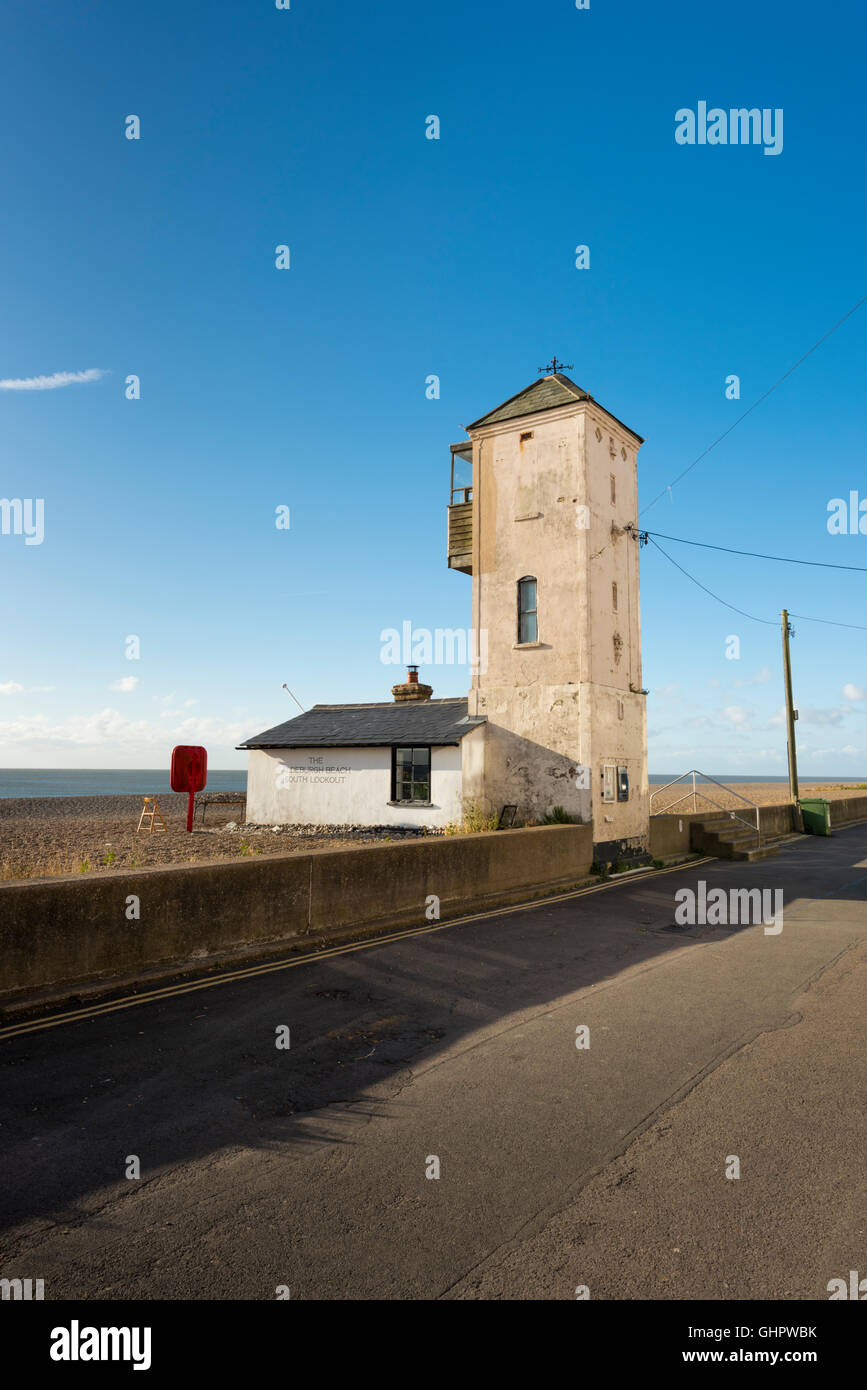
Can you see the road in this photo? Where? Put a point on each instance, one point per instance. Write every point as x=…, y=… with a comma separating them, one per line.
x=602, y=1167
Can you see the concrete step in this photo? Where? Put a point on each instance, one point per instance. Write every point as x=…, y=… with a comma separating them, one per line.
x=725, y=835
x=725, y=843
x=729, y=838
x=760, y=852
x=727, y=818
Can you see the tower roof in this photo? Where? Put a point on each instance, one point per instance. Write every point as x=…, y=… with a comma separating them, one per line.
x=548, y=393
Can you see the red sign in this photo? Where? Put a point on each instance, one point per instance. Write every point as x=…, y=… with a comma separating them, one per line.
x=189, y=773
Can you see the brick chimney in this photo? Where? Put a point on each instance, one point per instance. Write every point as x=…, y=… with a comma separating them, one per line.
x=411, y=689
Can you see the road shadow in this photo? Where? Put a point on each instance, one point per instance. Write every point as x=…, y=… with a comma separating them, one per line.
x=178, y=1080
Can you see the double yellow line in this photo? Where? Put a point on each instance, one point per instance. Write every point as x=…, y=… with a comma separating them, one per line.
x=14, y=1030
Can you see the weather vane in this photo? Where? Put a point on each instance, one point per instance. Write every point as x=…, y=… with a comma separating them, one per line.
x=554, y=366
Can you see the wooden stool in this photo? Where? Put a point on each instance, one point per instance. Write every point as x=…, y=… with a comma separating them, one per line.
x=151, y=811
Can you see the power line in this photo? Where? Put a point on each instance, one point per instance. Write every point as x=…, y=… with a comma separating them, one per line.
x=830, y=622
x=769, y=622
x=751, y=616
x=757, y=555
x=755, y=403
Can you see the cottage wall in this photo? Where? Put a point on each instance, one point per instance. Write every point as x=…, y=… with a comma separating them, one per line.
x=345, y=786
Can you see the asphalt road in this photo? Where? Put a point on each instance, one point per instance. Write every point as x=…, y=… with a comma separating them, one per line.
x=559, y=1167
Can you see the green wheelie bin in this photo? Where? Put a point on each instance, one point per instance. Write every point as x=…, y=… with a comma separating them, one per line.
x=817, y=815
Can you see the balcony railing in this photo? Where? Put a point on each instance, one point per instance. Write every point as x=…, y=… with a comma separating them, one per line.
x=460, y=540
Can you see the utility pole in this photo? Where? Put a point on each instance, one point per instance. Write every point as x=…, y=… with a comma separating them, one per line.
x=788, y=631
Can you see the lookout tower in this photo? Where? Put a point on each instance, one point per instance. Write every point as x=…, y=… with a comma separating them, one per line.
x=543, y=516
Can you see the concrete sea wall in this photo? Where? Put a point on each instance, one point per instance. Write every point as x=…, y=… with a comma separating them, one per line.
x=57, y=933
x=62, y=933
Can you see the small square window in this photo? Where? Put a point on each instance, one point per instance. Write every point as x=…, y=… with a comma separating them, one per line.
x=410, y=774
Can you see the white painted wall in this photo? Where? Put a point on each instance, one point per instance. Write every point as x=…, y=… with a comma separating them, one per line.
x=345, y=786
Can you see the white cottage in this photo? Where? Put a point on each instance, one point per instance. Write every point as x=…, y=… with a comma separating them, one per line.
x=400, y=763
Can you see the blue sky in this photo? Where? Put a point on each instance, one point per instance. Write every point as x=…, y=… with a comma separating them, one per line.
x=412, y=257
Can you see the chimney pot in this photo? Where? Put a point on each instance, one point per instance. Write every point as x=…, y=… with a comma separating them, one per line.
x=412, y=689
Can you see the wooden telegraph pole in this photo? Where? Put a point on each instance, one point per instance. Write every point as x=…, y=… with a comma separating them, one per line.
x=790, y=710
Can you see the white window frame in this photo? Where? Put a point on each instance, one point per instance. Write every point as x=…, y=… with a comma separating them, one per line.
x=609, y=782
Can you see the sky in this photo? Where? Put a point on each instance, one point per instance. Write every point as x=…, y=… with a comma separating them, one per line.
x=306, y=388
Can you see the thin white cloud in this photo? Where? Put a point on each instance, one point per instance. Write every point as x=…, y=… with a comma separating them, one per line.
x=854, y=692
x=125, y=684
x=813, y=715
x=50, y=383
x=113, y=731
x=760, y=678
x=826, y=754
x=10, y=688
x=169, y=702
x=737, y=715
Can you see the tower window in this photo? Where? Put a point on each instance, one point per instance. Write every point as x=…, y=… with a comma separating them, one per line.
x=614, y=597
x=528, y=627
x=613, y=488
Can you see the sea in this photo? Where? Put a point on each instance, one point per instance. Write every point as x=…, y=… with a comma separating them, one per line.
x=93, y=781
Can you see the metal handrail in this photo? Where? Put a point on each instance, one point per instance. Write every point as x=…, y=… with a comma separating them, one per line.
x=693, y=773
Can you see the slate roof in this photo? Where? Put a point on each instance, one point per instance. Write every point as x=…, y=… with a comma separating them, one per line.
x=546, y=394
x=435, y=722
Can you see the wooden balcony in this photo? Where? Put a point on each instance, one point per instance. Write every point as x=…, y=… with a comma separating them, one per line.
x=461, y=537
